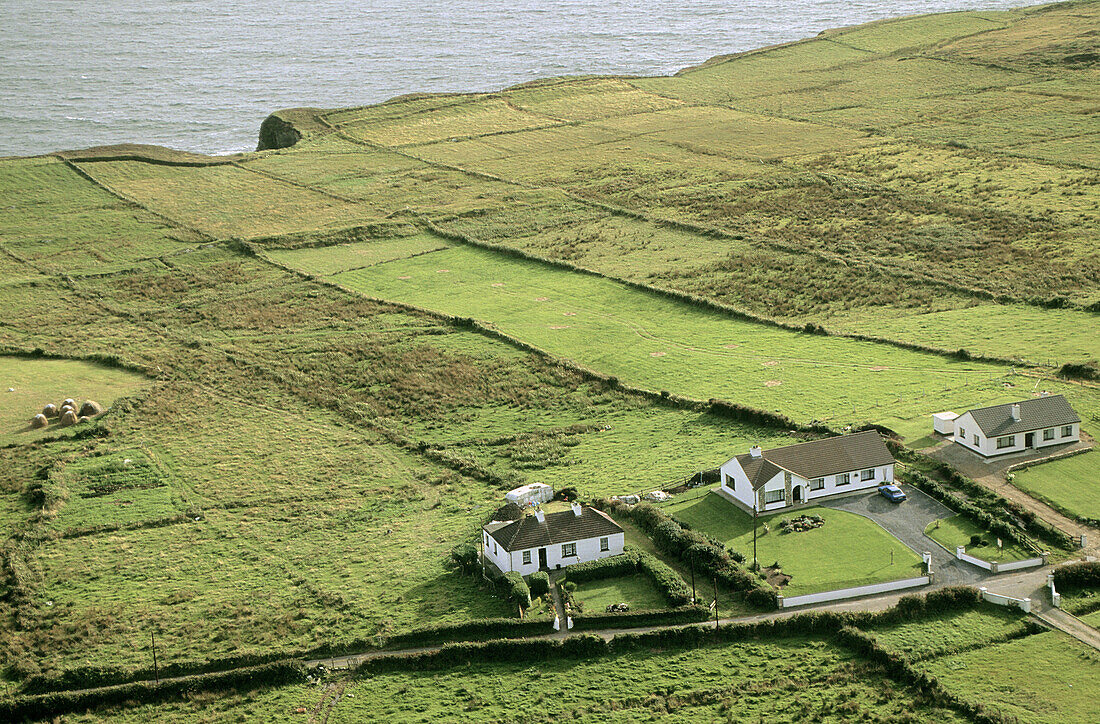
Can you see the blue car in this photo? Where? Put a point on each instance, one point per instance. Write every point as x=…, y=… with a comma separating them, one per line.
x=892, y=493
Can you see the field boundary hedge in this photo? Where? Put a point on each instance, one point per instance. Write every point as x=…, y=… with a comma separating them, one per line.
x=42, y=706
x=1020, y=467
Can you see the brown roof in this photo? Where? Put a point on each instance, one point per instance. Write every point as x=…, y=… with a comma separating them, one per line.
x=816, y=459
x=1035, y=413
x=563, y=527
x=507, y=512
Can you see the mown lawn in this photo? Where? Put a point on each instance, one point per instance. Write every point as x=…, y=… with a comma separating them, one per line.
x=950, y=632
x=957, y=530
x=1071, y=483
x=849, y=550
x=636, y=590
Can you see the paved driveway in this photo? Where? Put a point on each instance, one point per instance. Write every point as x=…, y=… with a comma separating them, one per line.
x=906, y=521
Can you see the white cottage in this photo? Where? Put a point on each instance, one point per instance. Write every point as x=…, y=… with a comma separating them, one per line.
x=1018, y=426
x=547, y=541
x=795, y=474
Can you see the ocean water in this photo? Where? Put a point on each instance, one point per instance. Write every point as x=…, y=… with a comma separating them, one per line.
x=201, y=75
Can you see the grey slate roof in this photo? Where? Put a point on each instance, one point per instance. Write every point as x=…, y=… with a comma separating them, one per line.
x=562, y=527
x=1035, y=413
x=818, y=458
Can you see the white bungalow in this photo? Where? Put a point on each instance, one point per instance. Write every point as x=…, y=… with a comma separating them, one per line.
x=795, y=474
x=1018, y=426
x=547, y=541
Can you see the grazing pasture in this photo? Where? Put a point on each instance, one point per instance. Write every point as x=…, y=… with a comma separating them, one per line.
x=1072, y=484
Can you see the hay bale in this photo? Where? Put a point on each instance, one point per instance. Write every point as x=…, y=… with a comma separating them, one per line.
x=69, y=402
x=50, y=410
x=68, y=418
x=84, y=418
x=64, y=409
x=39, y=420
x=91, y=408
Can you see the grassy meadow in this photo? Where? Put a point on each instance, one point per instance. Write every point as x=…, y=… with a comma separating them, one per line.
x=28, y=384
x=1072, y=483
x=849, y=550
x=661, y=344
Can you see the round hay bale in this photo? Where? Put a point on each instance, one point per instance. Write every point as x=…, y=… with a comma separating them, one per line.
x=84, y=418
x=91, y=408
x=68, y=418
x=69, y=402
x=50, y=410
x=64, y=409
x=39, y=420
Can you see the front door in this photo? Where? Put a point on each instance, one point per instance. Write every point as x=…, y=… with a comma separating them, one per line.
x=797, y=494
x=542, y=558
x=1029, y=440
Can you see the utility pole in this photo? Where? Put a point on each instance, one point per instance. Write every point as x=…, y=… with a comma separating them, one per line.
x=715, y=581
x=755, y=565
x=156, y=673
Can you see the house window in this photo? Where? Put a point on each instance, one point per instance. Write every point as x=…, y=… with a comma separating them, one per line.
x=774, y=496
x=568, y=550
x=1048, y=434
x=605, y=545
x=843, y=478
x=865, y=475
x=527, y=558
x=729, y=482
x=1067, y=431
x=1006, y=441
x=494, y=548
x=486, y=540
x=977, y=441
x=962, y=433
x=817, y=483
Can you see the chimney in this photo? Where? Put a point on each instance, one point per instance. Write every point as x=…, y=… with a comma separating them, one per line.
x=755, y=451
x=577, y=509
x=1016, y=412
x=1044, y=393
x=539, y=516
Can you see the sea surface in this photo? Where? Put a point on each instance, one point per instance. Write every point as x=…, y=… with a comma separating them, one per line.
x=201, y=75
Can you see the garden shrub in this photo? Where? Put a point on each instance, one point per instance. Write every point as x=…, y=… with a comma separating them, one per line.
x=1083, y=575
x=539, y=583
x=518, y=592
x=465, y=557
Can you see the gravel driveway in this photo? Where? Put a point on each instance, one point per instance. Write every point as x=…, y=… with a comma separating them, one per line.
x=906, y=521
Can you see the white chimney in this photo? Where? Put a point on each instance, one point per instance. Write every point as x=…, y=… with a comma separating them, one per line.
x=755, y=451
x=539, y=516
x=1016, y=412
x=576, y=509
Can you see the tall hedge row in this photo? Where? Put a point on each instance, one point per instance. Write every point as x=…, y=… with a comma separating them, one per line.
x=635, y=619
x=43, y=706
x=1076, y=576
x=631, y=561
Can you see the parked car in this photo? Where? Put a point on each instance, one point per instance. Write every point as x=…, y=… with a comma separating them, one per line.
x=892, y=493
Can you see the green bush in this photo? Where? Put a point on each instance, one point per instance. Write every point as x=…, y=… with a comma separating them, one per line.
x=1084, y=575
x=518, y=592
x=465, y=557
x=539, y=583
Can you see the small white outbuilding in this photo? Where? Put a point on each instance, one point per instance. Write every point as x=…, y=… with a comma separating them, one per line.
x=532, y=494
x=944, y=423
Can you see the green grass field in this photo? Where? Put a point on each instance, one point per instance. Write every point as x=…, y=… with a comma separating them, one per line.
x=849, y=550
x=307, y=457
x=1072, y=483
x=1062, y=690
x=28, y=384
x=957, y=530
x=783, y=680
